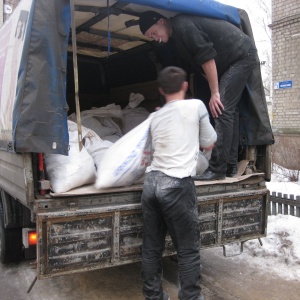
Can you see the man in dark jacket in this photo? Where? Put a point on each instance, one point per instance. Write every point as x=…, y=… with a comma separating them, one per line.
x=226, y=56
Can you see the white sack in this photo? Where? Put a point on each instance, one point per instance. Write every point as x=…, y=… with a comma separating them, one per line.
x=103, y=120
x=125, y=162
x=135, y=100
x=105, y=127
x=96, y=147
x=132, y=117
x=74, y=170
x=203, y=162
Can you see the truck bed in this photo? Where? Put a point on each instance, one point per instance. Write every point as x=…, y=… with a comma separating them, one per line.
x=86, y=229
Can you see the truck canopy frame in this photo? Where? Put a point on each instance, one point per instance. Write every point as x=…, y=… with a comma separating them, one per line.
x=36, y=115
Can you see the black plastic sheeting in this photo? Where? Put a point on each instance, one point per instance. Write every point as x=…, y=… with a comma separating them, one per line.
x=255, y=127
x=40, y=111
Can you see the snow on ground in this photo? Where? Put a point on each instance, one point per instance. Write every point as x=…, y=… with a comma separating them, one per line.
x=280, y=252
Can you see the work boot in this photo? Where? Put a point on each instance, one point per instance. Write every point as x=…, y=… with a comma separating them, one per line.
x=231, y=170
x=209, y=175
x=201, y=297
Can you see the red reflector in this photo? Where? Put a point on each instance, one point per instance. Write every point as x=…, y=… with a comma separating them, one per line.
x=32, y=238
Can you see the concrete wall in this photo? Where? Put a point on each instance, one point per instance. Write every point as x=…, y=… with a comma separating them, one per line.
x=286, y=65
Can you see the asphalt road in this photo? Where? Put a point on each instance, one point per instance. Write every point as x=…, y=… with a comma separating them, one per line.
x=222, y=279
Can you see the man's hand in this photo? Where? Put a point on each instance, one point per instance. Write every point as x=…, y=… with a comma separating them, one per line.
x=208, y=148
x=211, y=73
x=215, y=105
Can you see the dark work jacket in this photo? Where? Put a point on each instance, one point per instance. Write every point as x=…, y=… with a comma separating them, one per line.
x=199, y=39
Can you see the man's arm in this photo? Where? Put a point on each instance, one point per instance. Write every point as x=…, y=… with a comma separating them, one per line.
x=211, y=73
x=193, y=40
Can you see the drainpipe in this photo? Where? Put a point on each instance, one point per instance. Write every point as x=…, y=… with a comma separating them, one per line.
x=1, y=12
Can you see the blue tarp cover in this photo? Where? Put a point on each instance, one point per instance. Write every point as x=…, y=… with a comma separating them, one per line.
x=206, y=8
x=40, y=109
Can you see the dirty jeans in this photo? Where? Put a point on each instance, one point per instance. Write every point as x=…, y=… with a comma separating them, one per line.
x=232, y=85
x=169, y=204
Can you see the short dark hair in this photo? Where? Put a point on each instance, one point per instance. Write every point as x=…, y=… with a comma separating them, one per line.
x=170, y=79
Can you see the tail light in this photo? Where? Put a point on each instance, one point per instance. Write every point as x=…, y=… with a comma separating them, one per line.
x=32, y=238
x=29, y=237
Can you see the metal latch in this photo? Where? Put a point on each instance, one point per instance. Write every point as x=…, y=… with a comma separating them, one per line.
x=44, y=185
x=73, y=205
x=241, y=249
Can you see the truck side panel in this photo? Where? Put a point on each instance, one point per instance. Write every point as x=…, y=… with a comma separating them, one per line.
x=16, y=176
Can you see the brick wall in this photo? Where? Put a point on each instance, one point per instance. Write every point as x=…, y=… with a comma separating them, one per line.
x=286, y=65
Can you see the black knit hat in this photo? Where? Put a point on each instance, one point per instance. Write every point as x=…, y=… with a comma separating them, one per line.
x=149, y=18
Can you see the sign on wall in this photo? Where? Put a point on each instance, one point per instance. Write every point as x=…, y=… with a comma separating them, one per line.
x=283, y=84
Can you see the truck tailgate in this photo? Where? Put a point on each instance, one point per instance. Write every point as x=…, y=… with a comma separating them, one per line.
x=79, y=239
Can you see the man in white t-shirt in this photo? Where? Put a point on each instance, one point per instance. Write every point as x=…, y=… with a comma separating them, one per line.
x=178, y=130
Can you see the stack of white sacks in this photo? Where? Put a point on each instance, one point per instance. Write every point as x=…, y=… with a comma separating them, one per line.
x=117, y=149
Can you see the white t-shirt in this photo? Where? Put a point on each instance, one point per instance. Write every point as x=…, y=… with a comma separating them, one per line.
x=178, y=130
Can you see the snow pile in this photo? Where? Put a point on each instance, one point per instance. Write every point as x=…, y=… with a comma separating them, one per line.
x=280, y=181
x=280, y=253
x=281, y=174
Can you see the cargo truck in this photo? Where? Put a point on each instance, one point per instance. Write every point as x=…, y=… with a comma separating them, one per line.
x=60, y=57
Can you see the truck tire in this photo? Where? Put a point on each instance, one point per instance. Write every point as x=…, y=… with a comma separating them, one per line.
x=10, y=241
